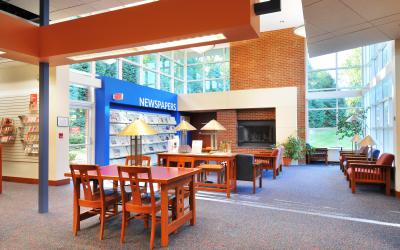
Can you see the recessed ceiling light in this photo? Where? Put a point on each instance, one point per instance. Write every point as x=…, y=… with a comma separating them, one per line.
x=157, y=46
x=2, y=52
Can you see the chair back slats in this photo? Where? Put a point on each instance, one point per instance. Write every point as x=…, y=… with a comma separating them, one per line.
x=132, y=176
x=85, y=180
x=130, y=160
x=180, y=161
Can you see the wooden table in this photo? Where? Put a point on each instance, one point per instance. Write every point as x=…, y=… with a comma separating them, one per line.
x=167, y=178
x=261, y=157
x=230, y=173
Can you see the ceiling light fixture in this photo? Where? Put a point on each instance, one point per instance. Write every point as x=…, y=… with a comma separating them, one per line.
x=2, y=52
x=300, y=31
x=151, y=47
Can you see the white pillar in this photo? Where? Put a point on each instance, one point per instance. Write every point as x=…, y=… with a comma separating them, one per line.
x=397, y=115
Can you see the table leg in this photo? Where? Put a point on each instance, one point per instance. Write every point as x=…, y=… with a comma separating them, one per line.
x=228, y=179
x=192, y=201
x=164, y=215
x=234, y=175
x=76, y=209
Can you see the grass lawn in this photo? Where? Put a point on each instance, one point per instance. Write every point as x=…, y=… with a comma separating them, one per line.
x=326, y=138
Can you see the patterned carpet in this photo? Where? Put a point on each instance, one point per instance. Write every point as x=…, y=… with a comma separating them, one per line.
x=306, y=207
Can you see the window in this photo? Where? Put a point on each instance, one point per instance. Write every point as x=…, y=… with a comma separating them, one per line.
x=107, y=68
x=179, y=71
x=80, y=119
x=130, y=72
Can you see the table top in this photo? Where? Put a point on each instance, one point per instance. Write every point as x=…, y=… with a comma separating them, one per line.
x=264, y=155
x=160, y=175
x=216, y=154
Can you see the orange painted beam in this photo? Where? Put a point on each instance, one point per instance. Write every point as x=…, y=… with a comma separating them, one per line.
x=165, y=20
x=19, y=39
x=162, y=21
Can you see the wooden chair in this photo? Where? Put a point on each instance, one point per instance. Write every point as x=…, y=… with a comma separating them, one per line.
x=362, y=152
x=317, y=154
x=271, y=160
x=371, y=172
x=142, y=203
x=218, y=168
x=99, y=200
x=130, y=160
x=372, y=158
x=180, y=162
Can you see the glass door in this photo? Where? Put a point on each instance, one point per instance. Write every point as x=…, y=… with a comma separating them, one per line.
x=80, y=139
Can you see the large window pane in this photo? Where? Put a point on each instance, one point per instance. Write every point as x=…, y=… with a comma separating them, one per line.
x=150, y=78
x=350, y=102
x=349, y=78
x=135, y=59
x=178, y=87
x=322, y=80
x=78, y=93
x=165, y=83
x=179, y=56
x=195, y=87
x=194, y=57
x=214, y=70
x=178, y=71
x=150, y=61
x=350, y=58
x=322, y=62
x=78, y=135
x=165, y=65
x=214, y=86
x=215, y=55
x=195, y=72
x=84, y=67
x=130, y=72
x=322, y=103
x=322, y=118
x=107, y=68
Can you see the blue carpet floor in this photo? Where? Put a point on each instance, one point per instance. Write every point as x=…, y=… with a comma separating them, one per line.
x=306, y=207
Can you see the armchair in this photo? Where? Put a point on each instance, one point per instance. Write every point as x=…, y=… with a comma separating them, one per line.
x=373, y=156
x=371, y=172
x=247, y=170
x=362, y=152
x=316, y=154
x=271, y=160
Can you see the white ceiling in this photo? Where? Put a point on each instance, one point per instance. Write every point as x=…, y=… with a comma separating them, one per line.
x=290, y=16
x=336, y=25
x=60, y=9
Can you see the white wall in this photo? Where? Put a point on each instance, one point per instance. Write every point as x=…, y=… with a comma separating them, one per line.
x=397, y=113
x=284, y=100
x=23, y=80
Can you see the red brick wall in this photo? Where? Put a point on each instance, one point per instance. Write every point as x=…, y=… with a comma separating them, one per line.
x=275, y=59
x=256, y=114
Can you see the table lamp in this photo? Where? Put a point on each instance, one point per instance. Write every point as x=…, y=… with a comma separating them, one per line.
x=368, y=141
x=356, y=139
x=184, y=126
x=135, y=131
x=213, y=126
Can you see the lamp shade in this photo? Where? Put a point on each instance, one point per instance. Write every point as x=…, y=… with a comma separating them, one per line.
x=213, y=125
x=184, y=126
x=353, y=118
x=367, y=141
x=356, y=139
x=138, y=128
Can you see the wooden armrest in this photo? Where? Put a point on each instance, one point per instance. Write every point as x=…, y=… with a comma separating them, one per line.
x=356, y=165
x=361, y=162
